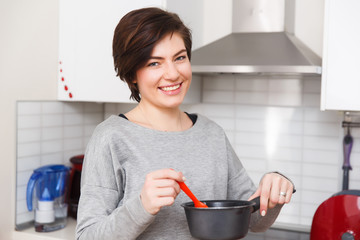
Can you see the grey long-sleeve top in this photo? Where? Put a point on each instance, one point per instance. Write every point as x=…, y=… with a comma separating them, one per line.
x=120, y=154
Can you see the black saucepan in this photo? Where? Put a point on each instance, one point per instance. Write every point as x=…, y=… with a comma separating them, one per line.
x=224, y=219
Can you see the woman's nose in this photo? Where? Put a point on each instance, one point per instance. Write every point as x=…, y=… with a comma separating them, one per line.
x=171, y=72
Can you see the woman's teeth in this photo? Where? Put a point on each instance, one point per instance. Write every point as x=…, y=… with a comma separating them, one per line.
x=170, y=88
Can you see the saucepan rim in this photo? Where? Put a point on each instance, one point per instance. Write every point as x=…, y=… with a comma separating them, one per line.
x=244, y=204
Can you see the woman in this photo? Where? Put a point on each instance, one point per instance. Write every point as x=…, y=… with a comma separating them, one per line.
x=134, y=161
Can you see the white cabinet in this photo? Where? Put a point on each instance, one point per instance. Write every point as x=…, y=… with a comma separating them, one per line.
x=86, y=69
x=341, y=66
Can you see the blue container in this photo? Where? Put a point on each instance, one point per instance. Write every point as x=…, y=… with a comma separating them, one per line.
x=50, y=183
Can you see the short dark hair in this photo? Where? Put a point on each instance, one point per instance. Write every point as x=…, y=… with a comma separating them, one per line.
x=135, y=37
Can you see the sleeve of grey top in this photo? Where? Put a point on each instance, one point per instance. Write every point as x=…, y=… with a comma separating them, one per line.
x=101, y=213
x=242, y=187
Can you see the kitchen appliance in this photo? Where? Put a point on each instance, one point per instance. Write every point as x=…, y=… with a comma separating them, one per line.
x=261, y=41
x=50, y=184
x=74, y=188
x=223, y=219
x=338, y=217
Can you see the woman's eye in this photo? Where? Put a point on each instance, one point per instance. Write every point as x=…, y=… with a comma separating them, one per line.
x=180, y=58
x=152, y=64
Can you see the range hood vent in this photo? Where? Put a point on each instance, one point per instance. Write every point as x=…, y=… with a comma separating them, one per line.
x=256, y=52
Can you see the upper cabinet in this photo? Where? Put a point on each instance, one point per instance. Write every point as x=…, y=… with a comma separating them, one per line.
x=86, y=69
x=341, y=76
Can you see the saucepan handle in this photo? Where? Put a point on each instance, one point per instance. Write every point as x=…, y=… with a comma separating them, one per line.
x=257, y=203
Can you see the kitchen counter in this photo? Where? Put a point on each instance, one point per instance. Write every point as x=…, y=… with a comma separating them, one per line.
x=278, y=234
x=68, y=233
x=64, y=234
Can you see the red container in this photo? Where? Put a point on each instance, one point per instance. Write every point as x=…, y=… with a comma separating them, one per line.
x=74, y=189
x=338, y=217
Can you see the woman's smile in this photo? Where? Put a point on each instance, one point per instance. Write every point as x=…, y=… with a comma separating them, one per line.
x=171, y=89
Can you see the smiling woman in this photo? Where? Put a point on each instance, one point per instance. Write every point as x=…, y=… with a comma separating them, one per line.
x=135, y=37
x=130, y=189
x=166, y=77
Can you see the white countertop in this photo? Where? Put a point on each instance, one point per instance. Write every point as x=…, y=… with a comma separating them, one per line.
x=66, y=233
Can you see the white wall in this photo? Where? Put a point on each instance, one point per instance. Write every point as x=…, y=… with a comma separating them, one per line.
x=28, y=68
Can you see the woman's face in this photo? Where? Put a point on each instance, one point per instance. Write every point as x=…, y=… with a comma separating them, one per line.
x=166, y=77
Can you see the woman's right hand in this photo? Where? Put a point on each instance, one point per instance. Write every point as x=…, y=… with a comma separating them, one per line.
x=160, y=189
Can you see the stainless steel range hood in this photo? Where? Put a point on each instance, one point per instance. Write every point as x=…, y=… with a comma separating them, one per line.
x=256, y=46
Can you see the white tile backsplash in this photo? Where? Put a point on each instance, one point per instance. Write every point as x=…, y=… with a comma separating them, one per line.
x=73, y=131
x=21, y=207
x=311, y=197
x=354, y=184
x=318, y=183
x=73, y=144
x=51, y=146
x=23, y=177
x=93, y=118
x=216, y=110
x=29, y=108
x=52, y=158
x=73, y=118
x=228, y=124
x=219, y=83
x=314, y=115
x=74, y=107
x=212, y=96
x=50, y=132
x=251, y=85
x=52, y=107
x=29, y=135
x=251, y=98
x=253, y=164
x=322, y=143
x=321, y=129
x=311, y=100
x=311, y=85
x=319, y=170
x=287, y=85
x=53, y=120
x=93, y=107
x=285, y=99
x=33, y=121
x=25, y=217
x=28, y=149
x=27, y=163
x=321, y=156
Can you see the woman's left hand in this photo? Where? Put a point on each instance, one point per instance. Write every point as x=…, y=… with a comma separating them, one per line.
x=273, y=189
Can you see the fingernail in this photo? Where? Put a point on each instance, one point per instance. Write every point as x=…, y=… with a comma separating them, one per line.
x=183, y=178
x=263, y=212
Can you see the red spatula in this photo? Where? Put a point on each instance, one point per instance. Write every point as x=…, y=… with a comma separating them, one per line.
x=186, y=190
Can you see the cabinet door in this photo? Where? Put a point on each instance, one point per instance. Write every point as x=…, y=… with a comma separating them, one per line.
x=86, y=69
x=341, y=75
